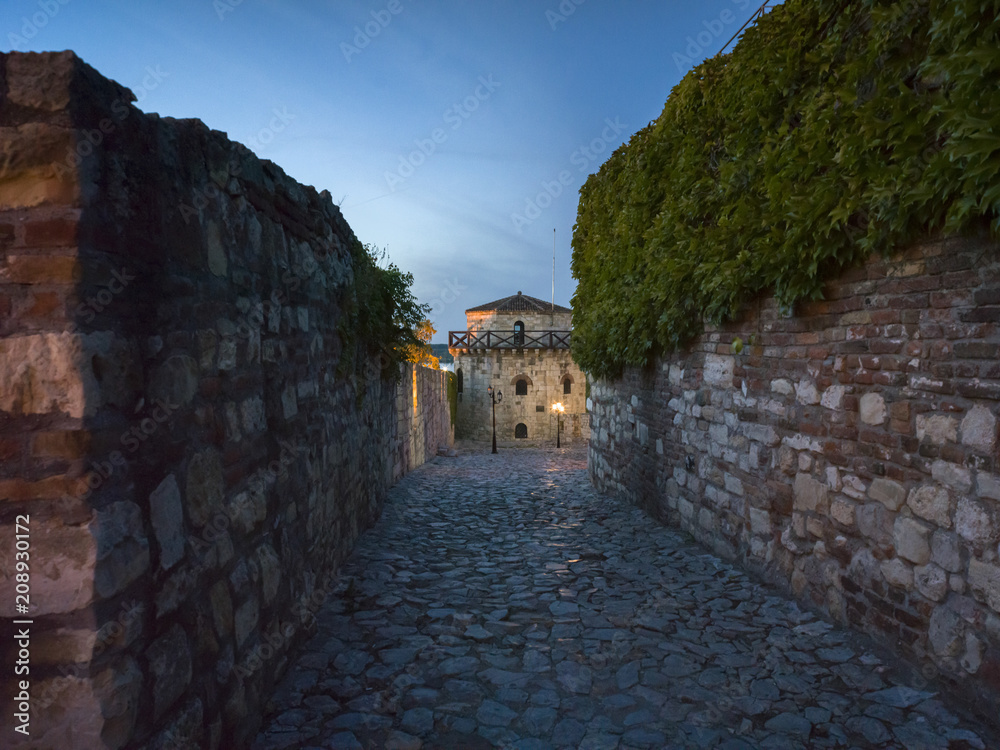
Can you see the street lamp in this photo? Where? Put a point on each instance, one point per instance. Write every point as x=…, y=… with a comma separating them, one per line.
x=558, y=409
x=495, y=396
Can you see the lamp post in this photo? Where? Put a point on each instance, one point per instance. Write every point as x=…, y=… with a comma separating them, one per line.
x=558, y=409
x=495, y=396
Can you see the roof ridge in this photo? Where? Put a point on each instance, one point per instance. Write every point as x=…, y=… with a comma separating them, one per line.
x=520, y=303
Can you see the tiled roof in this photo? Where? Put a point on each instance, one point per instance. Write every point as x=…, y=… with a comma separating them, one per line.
x=519, y=303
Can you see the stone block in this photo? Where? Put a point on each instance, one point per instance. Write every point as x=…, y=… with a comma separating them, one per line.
x=41, y=373
x=979, y=429
x=972, y=659
x=945, y=632
x=954, y=476
x=718, y=370
x=760, y=522
x=169, y=658
x=932, y=503
x=175, y=382
x=122, y=548
x=806, y=392
x=888, y=492
x=245, y=620
x=973, y=523
x=222, y=609
x=833, y=397
x=937, y=429
x=734, y=485
x=872, y=409
x=931, y=581
x=204, y=488
x=897, y=573
x=912, y=540
x=782, y=386
x=984, y=580
x=946, y=551
x=270, y=572
x=988, y=485
x=810, y=494
x=167, y=516
x=842, y=511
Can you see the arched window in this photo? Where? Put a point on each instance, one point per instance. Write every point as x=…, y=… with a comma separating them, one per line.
x=521, y=431
x=567, y=386
x=519, y=334
x=461, y=380
x=521, y=387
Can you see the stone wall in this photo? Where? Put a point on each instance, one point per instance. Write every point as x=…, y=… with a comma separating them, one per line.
x=848, y=452
x=423, y=416
x=184, y=419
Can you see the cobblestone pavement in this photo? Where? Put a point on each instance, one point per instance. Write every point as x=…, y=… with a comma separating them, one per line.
x=501, y=602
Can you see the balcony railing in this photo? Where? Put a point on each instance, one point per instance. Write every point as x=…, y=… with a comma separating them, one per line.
x=508, y=339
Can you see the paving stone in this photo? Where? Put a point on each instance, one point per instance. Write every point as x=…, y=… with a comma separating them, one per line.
x=501, y=602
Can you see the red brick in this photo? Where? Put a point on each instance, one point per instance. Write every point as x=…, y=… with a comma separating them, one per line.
x=10, y=450
x=67, y=444
x=889, y=378
x=51, y=233
x=43, y=304
x=6, y=236
x=42, y=269
x=50, y=488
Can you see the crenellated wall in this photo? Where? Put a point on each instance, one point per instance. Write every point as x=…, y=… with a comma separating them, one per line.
x=189, y=429
x=848, y=451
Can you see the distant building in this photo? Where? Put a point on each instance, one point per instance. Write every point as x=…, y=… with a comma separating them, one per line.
x=520, y=345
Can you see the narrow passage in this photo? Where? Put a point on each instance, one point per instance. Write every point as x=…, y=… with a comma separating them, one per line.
x=501, y=602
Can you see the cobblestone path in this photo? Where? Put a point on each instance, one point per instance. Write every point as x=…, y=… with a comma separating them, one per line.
x=500, y=602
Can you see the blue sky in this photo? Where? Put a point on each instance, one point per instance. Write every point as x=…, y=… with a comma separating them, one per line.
x=454, y=134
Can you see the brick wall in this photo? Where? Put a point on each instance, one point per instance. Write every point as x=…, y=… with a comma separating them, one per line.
x=848, y=451
x=180, y=417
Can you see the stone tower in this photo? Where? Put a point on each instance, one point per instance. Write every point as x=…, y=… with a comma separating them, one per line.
x=520, y=345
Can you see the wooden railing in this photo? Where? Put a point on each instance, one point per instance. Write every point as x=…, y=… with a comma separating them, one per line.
x=508, y=339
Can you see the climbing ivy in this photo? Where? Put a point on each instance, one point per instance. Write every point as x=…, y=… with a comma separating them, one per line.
x=835, y=129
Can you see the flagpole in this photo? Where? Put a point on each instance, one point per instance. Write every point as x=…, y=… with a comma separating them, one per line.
x=553, y=269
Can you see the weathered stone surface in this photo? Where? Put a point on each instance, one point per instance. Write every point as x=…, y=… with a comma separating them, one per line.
x=897, y=573
x=810, y=494
x=175, y=382
x=984, y=579
x=806, y=392
x=122, y=548
x=937, y=429
x=719, y=370
x=956, y=477
x=932, y=503
x=931, y=581
x=41, y=373
x=973, y=523
x=222, y=609
x=167, y=516
x=203, y=492
x=833, y=397
x=169, y=660
x=979, y=429
x=842, y=511
x=912, y=540
x=871, y=407
x=888, y=492
x=945, y=632
x=946, y=551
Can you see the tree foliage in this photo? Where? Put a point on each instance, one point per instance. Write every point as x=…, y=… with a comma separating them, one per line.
x=382, y=317
x=835, y=129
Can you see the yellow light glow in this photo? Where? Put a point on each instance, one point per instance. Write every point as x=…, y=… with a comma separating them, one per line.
x=558, y=407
